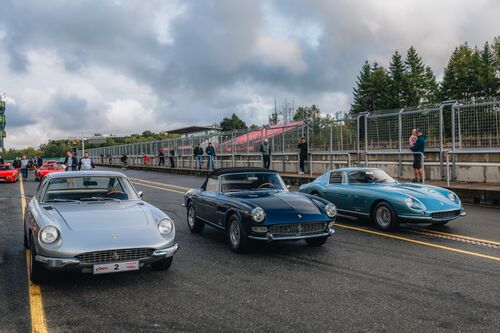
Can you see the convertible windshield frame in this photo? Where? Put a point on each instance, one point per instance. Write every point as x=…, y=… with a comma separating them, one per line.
x=274, y=174
x=124, y=182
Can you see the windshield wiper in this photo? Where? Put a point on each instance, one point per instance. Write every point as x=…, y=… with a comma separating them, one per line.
x=63, y=200
x=99, y=199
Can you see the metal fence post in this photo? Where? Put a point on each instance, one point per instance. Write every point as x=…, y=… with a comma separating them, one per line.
x=400, y=142
x=366, y=139
x=453, y=144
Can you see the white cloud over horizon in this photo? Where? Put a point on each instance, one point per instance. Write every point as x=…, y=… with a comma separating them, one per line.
x=82, y=67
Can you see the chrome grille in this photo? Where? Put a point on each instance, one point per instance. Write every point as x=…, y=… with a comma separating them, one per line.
x=297, y=228
x=445, y=215
x=114, y=255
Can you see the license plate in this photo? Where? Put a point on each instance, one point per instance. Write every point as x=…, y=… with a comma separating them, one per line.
x=116, y=267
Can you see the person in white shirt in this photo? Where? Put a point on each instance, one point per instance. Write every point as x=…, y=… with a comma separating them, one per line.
x=86, y=163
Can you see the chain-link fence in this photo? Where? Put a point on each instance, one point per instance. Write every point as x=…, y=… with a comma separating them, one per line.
x=450, y=126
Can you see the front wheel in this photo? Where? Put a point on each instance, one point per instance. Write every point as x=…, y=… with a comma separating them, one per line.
x=316, y=241
x=38, y=274
x=162, y=264
x=384, y=217
x=195, y=225
x=237, y=235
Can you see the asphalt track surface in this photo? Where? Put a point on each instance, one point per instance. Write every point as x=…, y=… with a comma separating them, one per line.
x=361, y=280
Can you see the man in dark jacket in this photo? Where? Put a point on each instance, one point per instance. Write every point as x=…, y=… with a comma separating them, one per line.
x=210, y=151
x=303, y=152
x=418, y=147
x=161, y=158
x=124, y=160
x=265, y=149
x=1, y=160
x=198, y=156
x=39, y=162
x=171, y=155
x=71, y=162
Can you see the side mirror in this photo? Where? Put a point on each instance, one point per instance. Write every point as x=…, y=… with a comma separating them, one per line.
x=140, y=194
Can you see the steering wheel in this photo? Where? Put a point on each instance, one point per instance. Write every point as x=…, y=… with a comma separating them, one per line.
x=266, y=185
x=112, y=192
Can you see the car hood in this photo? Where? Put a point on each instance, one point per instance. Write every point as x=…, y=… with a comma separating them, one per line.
x=282, y=207
x=7, y=172
x=432, y=197
x=92, y=216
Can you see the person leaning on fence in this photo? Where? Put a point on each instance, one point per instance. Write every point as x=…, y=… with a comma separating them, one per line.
x=171, y=155
x=419, y=149
x=210, y=151
x=302, y=155
x=198, y=156
x=265, y=149
x=124, y=160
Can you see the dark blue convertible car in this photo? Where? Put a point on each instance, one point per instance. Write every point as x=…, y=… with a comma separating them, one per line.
x=254, y=204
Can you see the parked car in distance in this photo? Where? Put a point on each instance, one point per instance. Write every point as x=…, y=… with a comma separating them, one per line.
x=371, y=192
x=8, y=174
x=254, y=204
x=46, y=168
x=94, y=222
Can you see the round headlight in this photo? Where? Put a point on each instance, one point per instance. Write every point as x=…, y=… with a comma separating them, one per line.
x=49, y=234
x=414, y=204
x=453, y=197
x=330, y=210
x=258, y=214
x=165, y=226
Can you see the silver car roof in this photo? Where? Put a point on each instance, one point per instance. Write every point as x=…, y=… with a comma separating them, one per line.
x=72, y=174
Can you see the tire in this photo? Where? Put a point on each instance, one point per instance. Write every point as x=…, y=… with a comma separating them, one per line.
x=38, y=274
x=237, y=236
x=194, y=224
x=384, y=217
x=316, y=241
x=163, y=264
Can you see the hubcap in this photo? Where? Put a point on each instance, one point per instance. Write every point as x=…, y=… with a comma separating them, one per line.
x=234, y=234
x=383, y=216
x=191, y=217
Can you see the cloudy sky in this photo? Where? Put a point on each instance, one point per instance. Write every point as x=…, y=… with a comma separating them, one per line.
x=81, y=67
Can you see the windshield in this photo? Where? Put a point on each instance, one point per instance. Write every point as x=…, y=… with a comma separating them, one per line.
x=6, y=167
x=251, y=182
x=89, y=189
x=372, y=176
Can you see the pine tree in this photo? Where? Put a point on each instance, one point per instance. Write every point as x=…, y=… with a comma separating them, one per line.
x=361, y=94
x=431, y=87
x=396, y=81
x=379, y=88
x=488, y=83
x=414, y=81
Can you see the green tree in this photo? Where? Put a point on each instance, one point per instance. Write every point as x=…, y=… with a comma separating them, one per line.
x=273, y=118
x=307, y=112
x=431, y=87
x=232, y=123
x=487, y=80
x=55, y=148
x=379, y=89
x=396, y=81
x=414, y=78
x=361, y=93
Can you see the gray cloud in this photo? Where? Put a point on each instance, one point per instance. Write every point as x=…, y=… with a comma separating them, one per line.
x=196, y=61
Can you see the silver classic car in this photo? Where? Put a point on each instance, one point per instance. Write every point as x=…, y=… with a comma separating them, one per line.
x=94, y=222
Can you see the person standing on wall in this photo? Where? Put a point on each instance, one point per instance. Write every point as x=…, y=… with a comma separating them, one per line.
x=24, y=167
x=198, y=156
x=265, y=149
x=171, y=156
x=86, y=163
x=70, y=162
x=210, y=151
x=419, y=149
x=303, y=154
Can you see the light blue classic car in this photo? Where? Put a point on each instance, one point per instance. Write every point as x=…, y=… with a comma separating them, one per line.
x=370, y=192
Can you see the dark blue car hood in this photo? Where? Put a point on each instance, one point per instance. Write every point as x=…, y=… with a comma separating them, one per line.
x=282, y=207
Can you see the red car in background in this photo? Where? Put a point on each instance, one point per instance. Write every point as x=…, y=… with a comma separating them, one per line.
x=8, y=174
x=46, y=168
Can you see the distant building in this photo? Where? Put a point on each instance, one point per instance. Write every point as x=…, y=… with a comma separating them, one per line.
x=196, y=131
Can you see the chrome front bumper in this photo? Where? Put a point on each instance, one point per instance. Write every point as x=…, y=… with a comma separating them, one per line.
x=429, y=219
x=59, y=263
x=269, y=237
